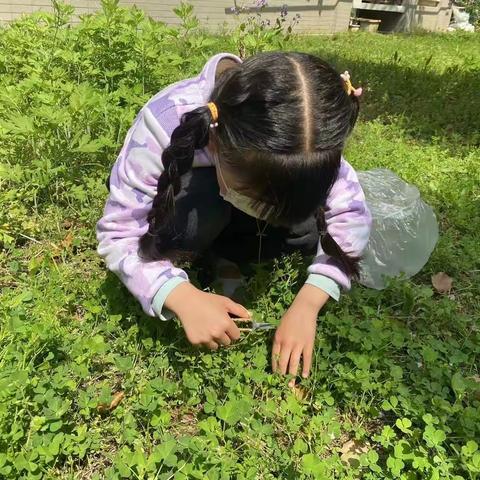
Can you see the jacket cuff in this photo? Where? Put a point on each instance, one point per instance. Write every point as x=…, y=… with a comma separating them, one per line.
x=161, y=296
x=326, y=284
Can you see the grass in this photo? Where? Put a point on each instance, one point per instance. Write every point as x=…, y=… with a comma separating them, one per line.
x=396, y=371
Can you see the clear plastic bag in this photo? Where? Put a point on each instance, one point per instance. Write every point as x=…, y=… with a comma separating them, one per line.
x=461, y=20
x=404, y=231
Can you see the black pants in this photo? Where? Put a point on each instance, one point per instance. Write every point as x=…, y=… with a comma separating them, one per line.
x=205, y=222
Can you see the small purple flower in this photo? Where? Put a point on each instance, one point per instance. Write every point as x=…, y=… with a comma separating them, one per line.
x=260, y=3
x=284, y=10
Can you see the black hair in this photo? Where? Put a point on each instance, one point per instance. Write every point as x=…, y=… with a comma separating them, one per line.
x=283, y=121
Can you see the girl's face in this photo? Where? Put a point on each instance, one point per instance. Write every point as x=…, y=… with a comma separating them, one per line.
x=225, y=182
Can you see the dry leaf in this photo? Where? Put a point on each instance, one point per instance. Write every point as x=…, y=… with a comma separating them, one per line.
x=67, y=241
x=56, y=247
x=299, y=392
x=105, y=407
x=117, y=398
x=65, y=244
x=351, y=451
x=442, y=282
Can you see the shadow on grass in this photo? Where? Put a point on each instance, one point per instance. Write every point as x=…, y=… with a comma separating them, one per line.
x=430, y=105
x=119, y=301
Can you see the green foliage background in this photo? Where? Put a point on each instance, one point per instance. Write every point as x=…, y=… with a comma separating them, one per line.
x=397, y=371
x=473, y=8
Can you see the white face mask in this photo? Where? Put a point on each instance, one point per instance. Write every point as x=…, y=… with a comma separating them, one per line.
x=240, y=201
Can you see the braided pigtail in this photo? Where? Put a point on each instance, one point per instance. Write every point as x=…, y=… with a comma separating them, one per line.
x=177, y=159
x=330, y=247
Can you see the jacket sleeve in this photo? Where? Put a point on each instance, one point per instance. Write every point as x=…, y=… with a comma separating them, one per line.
x=133, y=186
x=349, y=222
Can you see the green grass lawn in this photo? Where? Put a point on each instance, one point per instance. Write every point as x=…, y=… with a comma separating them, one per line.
x=395, y=371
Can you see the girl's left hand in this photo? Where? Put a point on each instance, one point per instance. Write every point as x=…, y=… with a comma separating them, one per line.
x=295, y=336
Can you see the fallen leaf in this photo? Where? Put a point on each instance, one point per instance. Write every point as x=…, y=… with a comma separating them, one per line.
x=442, y=283
x=55, y=246
x=299, y=392
x=351, y=451
x=65, y=244
x=108, y=407
x=117, y=398
x=103, y=407
x=67, y=241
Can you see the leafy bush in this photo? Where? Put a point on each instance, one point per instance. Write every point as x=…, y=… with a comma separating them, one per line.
x=92, y=388
x=473, y=8
x=255, y=34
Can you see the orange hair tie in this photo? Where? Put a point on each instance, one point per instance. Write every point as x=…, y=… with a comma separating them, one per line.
x=214, y=111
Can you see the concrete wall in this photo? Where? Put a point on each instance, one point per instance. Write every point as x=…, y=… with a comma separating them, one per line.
x=317, y=16
x=433, y=15
x=11, y=9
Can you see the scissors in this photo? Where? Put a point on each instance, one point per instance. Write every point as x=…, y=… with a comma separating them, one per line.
x=255, y=325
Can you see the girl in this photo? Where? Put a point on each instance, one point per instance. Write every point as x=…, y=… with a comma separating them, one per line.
x=210, y=162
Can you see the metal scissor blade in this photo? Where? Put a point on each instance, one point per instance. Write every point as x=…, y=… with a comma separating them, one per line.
x=262, y=326
x=255, y=325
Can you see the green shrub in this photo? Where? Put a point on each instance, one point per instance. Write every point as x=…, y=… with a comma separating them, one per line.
x=473, y=8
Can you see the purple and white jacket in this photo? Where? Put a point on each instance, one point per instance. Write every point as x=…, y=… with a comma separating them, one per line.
x=133, y=185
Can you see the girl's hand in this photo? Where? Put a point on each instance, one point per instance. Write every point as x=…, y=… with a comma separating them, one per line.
x=295, y=336
x=205, y=316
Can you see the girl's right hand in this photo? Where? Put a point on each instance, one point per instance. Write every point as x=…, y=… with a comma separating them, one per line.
x=205, y=316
